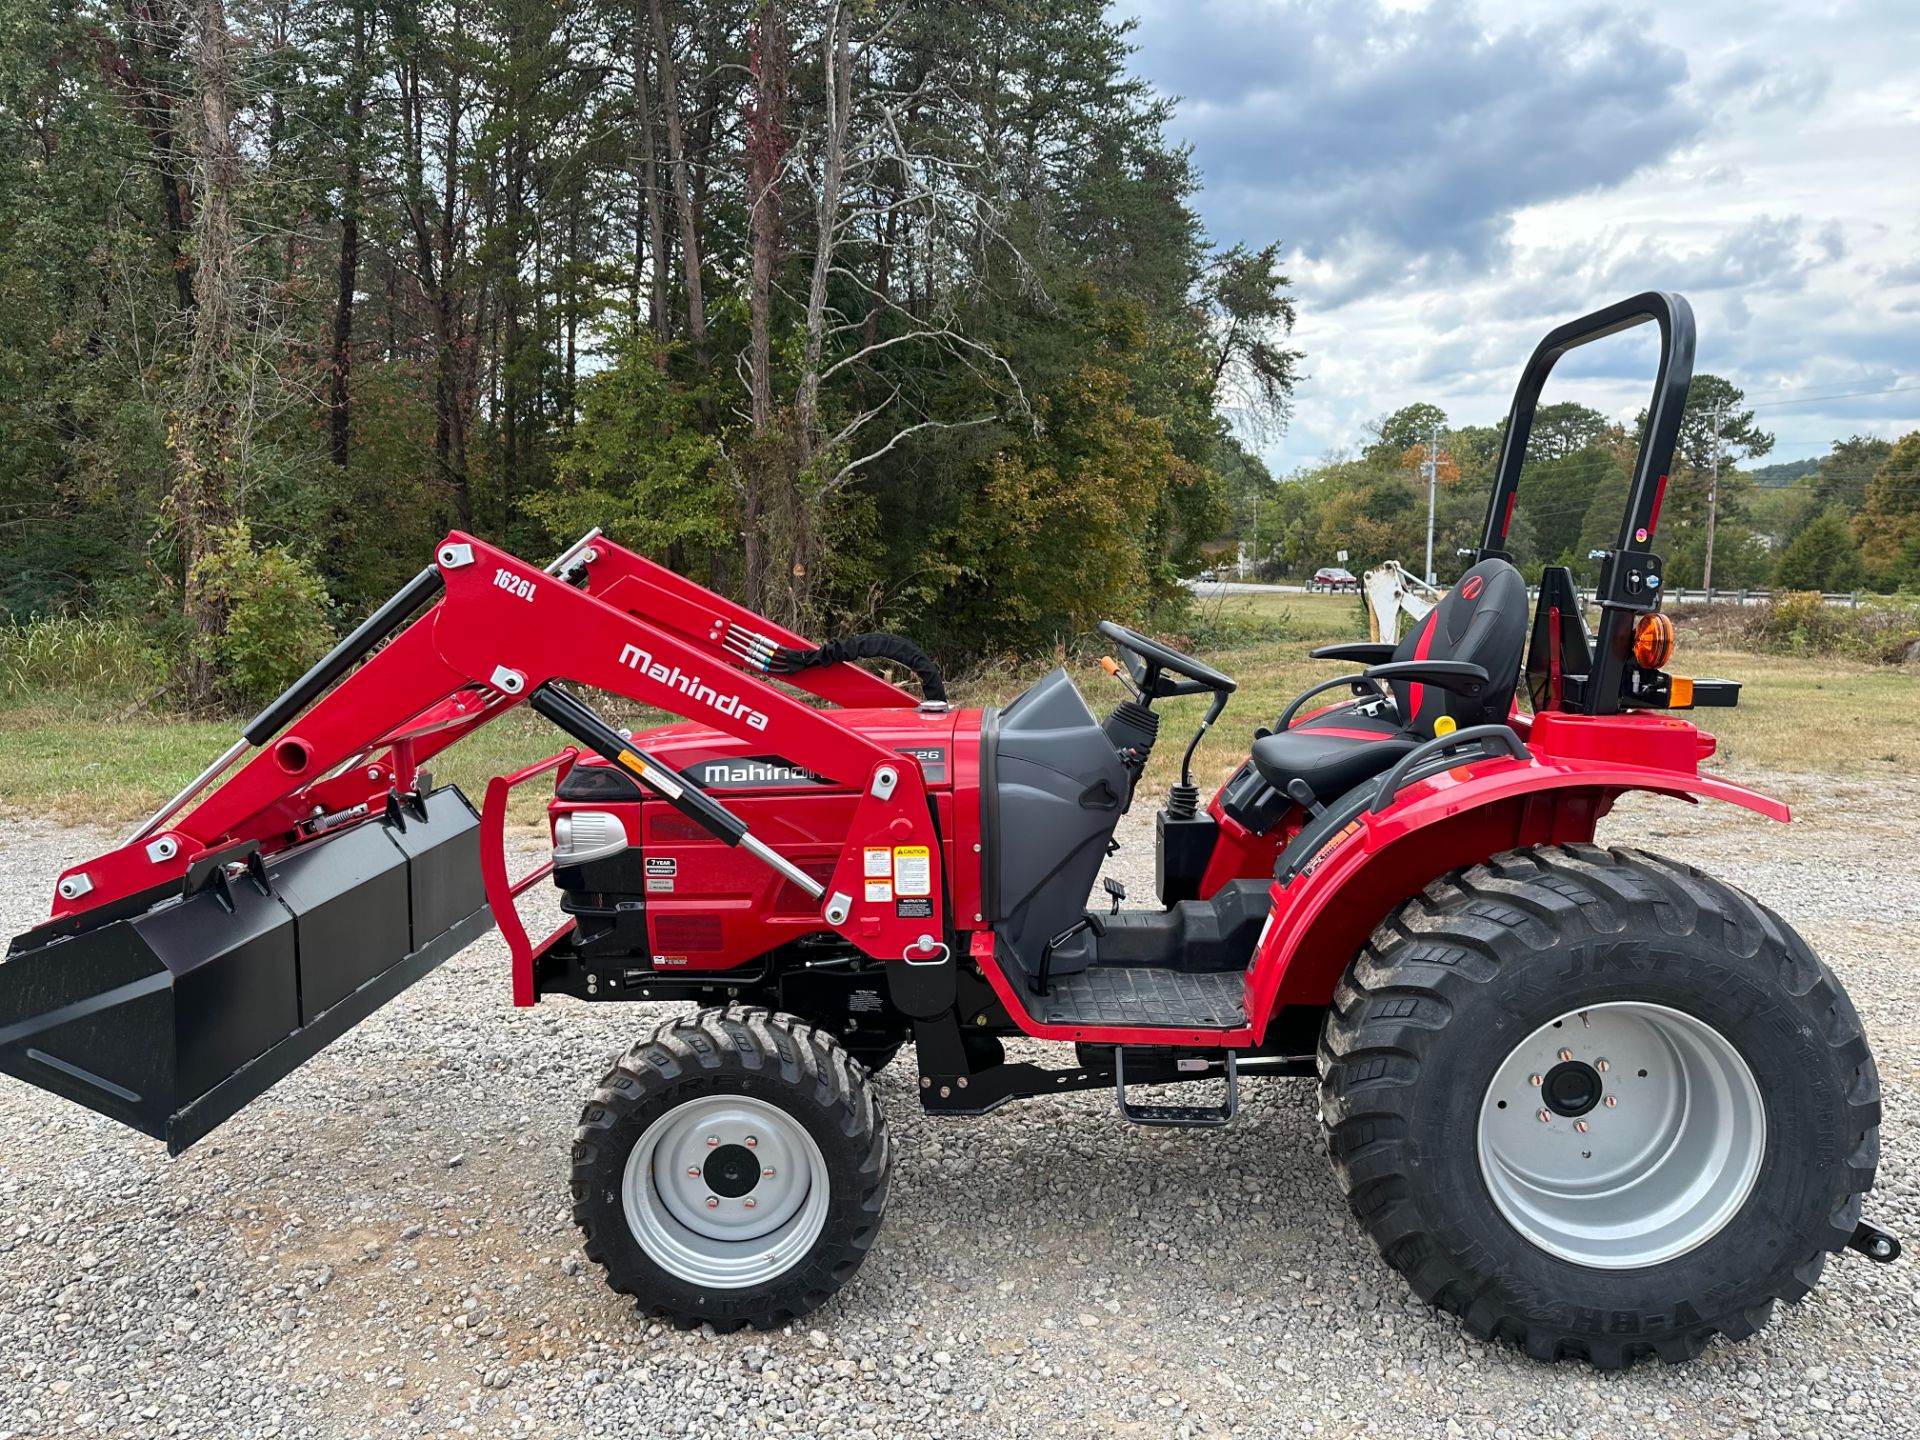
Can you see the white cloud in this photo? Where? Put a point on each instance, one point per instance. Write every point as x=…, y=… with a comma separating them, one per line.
x=1452, y=179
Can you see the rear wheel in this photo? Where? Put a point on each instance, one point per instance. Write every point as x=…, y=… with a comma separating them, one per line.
x=732, y=1169
x=1599, y=1104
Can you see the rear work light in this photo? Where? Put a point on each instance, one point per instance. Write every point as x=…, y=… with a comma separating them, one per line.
x=1652, y=641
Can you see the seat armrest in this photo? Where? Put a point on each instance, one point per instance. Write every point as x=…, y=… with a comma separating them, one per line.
x=1365, y=652
x=1462, y=677
x=1356, y=680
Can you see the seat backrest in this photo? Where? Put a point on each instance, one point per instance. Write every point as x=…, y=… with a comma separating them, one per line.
x=1482, y=620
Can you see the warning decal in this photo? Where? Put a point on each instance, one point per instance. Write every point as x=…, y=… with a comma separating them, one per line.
x=913, y=910
x=879, y=861
x=912, y=870
x=879, y=891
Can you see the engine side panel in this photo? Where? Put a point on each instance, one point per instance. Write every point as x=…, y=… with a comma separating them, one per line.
x=686, y=902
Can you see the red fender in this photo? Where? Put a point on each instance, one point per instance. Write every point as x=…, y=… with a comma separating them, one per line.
x=1447, y=821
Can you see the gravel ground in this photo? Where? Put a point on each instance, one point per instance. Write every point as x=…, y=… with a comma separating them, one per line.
x=381, y=1245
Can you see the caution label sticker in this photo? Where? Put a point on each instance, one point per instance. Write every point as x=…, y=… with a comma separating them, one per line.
x=912, y=870
x=879, y=861
x=879, y=891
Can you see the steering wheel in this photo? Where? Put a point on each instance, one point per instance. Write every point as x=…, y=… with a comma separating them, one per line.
x=1149, y=662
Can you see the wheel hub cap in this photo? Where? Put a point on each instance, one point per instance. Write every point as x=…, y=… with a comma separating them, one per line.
x=1622, y=1135
x=731, y=1171
x=1571, y=1088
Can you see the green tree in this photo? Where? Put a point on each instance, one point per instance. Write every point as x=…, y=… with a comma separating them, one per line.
x=1406, y=427
x=1822, y=557
x=1890, y=516
x=1843, y=475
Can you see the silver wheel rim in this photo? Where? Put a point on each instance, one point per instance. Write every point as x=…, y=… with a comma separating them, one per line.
x=1662, y=1158
x=683, y=1193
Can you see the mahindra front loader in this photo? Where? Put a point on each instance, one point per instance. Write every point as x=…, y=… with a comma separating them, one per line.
x=1596, y=1102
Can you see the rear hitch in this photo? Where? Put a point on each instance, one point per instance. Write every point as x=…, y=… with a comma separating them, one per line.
x=1880, y=1246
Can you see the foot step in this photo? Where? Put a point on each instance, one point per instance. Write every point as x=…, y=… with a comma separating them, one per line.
x=1189, y=1117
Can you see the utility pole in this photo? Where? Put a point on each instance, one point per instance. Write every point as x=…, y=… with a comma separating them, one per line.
x=1713, y=506
x=1433, y=485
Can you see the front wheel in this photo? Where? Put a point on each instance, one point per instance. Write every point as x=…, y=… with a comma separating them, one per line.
x=1599, y=1104
x=732, y=1169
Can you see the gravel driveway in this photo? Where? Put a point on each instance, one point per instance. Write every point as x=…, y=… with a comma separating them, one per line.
x=381, y=1245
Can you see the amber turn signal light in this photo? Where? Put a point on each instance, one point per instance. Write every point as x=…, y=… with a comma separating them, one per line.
x=1652, y=641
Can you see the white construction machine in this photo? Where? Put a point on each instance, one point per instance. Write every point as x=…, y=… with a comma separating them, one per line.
x=1392, y=592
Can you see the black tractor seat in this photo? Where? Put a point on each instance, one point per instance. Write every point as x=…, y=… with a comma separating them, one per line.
x=1481, y=621
x=1334, y=750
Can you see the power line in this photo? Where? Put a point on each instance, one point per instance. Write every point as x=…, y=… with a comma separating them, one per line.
x=1841, y=395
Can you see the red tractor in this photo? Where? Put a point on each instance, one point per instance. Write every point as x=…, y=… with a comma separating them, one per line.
x=1596, y=1102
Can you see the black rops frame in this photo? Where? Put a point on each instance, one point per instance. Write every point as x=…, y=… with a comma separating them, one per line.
x=1630, y=578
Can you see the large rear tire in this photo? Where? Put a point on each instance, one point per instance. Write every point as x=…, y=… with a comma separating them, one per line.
x=731, y=1170
x=1598, y=1104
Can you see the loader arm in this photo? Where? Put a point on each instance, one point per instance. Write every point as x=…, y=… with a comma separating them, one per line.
x=501, y=631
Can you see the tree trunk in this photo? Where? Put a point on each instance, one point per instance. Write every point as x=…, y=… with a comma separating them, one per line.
x=656, y=213
x=839, y=99
x=339, y=401
x=151, y=97
x=682, y=182
x=203, y=485
x=766, y=151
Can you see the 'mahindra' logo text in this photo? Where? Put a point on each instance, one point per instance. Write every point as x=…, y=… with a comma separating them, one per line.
x=634, y=658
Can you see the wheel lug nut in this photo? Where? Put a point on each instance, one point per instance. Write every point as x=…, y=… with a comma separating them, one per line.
x=712, y=1201
x=1566, y=1055
x=1602, y=1066
x=749, y=1202
x=693, y=1172
x=1581, y=1126
x=1546, y=1117
x=712, y=1140
x=767, y=1174
x=751, y=1141
x=1611, y=1101
x=1537, y=1080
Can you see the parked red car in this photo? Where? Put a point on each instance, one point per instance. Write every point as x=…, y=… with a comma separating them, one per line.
x=1332, y=577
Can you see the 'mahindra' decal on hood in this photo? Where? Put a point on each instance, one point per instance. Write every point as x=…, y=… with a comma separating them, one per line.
x=771, y=772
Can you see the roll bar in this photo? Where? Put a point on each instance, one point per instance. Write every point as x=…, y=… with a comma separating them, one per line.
x=1630, y=584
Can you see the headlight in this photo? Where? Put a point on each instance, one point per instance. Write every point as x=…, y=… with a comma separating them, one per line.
x=583, y=835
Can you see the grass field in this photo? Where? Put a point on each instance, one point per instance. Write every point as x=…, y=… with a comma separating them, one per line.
x=62, y=756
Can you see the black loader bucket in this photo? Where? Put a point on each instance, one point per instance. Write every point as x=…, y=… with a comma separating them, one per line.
x=172, y=1010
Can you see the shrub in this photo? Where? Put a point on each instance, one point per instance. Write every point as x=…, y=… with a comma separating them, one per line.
x=1804, y=624
x=276, y=615
x=109, y=659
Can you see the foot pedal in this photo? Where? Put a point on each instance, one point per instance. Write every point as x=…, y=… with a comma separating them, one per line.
x=1189, y=1117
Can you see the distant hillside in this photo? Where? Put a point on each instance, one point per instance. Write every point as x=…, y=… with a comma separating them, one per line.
x=1786, y=472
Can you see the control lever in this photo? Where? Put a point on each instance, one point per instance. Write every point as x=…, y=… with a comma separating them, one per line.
x=1119, y=672
x=1302, y=795
x=1115, y=891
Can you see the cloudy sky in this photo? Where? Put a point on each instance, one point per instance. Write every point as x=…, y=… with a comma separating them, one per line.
x=1453, y=178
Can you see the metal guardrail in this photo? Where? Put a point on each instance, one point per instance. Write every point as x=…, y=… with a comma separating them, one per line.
x=1848, y=599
